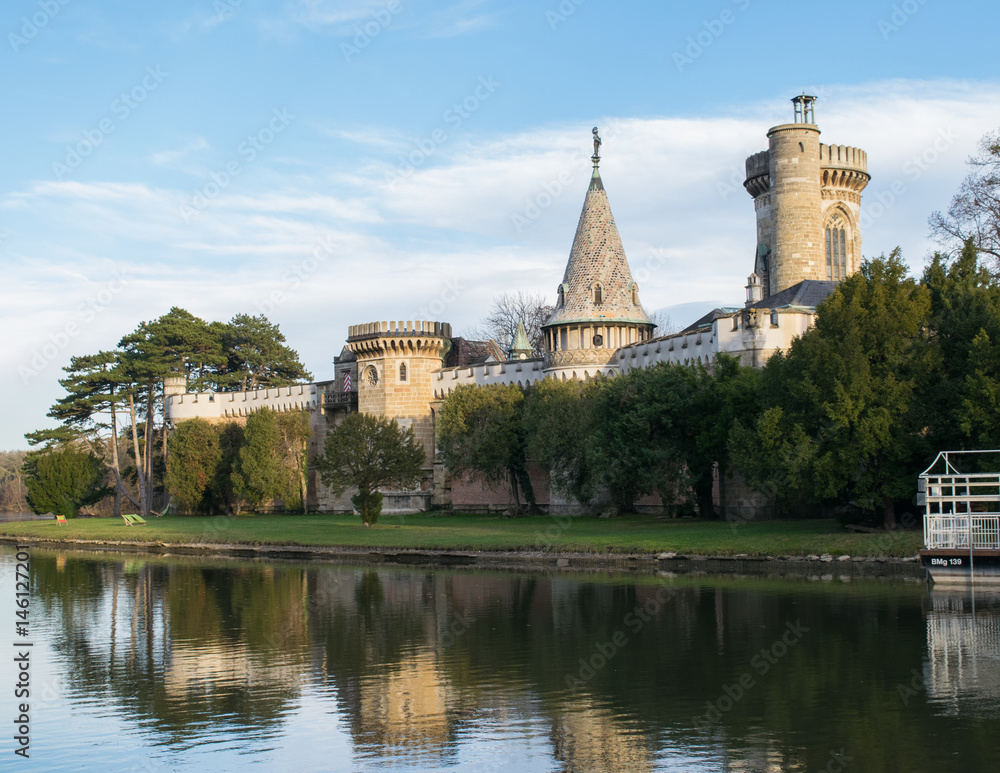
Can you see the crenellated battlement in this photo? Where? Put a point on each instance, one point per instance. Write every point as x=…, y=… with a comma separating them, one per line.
x=843, y=156
x=400, y=328
x=230, y=405
x=843, y=166
x=420, y=338
x=758, y=180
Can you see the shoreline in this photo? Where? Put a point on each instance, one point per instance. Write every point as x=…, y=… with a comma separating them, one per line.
x=826, y=567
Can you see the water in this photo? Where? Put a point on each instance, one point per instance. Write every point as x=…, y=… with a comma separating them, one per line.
x=172, y=663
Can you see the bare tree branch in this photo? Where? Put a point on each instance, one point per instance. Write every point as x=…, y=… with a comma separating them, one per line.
x=507, y=311
x=975, y=209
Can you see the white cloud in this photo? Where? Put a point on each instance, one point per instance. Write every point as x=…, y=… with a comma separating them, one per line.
x=178, y=158
x=442, y=240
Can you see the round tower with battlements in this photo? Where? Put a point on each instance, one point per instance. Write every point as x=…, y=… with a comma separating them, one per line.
x=807, y=196
x=395, y=363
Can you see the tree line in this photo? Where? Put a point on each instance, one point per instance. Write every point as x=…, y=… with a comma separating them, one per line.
x=112, y=439
x=894, y=370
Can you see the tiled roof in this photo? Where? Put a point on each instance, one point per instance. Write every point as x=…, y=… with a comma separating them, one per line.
x=808, y=293
x=708, y=319
x=597, y=257
x=464, y=353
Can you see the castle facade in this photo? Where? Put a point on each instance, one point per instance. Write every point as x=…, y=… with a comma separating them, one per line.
x=807, y=198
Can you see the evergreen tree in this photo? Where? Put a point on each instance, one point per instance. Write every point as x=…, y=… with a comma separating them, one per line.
x=558, y=421
x=259, y=471
x=192, y=467
x=64, y=480
x=255, y=355
x=956, y=391
x=295, y=432
x=840, y=420
x=481, y=430
x=369, y=453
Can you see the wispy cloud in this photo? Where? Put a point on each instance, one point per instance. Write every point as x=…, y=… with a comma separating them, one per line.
x=461, y=18
x=178, y=158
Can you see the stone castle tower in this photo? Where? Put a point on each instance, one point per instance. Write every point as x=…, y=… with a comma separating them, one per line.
x=807, y=196
x=395, y=361
x=597, y=305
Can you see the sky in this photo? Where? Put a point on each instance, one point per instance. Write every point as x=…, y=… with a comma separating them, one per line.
x=328, y=163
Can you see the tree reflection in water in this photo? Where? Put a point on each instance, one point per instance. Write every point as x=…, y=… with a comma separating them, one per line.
x=514, y=671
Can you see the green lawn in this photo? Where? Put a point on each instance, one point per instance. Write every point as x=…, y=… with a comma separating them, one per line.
x=634, y=534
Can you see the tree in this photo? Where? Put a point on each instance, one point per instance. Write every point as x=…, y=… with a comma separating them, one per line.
x=718, y=397
x=840, y=419
x=231, y=440
x=370, y=453
x=64, y=480
x=509, y=309
x=558, y=421
x=195, y=457
x=638, y=427
x=481, y=430
x=965, y=331
x=295, y=432
x=259, y=471
x=128, y=382
x=255, y=355
x=12, y=488
x=974, y=212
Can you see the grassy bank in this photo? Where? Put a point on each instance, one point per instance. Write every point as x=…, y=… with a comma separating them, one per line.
x=637, y=534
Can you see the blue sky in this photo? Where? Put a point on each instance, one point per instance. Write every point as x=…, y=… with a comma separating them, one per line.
x=330, y=163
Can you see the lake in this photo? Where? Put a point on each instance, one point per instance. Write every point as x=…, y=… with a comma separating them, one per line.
x=157, y=663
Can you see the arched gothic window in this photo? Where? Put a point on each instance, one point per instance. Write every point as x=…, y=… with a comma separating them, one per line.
x=598, y=295
x=402, y=371
x=836, y=249
x=562, y=295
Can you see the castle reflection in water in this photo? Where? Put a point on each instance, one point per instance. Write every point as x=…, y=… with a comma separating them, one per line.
x=429, y=669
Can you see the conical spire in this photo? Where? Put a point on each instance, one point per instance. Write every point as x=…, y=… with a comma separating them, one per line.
x=520, y=347
x=597, y=285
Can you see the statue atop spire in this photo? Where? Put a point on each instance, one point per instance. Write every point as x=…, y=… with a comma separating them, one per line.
x=596, y=158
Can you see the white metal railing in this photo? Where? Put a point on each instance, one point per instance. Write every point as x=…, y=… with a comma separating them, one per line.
x=962, y=509
x=956, y=531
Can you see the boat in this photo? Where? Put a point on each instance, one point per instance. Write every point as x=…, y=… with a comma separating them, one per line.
x=961, y=517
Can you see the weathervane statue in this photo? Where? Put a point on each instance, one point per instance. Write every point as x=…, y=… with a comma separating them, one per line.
x=596, y=158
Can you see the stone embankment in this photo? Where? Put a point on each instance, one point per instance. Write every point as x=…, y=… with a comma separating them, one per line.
x=826, y=566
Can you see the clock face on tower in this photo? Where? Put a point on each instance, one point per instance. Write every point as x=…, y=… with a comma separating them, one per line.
x=371, y=376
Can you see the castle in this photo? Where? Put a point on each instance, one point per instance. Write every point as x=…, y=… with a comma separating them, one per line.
x=807, y=198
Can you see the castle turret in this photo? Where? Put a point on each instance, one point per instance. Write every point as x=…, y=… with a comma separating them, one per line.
x=395, y=361
x=520, y=347
x=808, y=201
x=597, y=305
